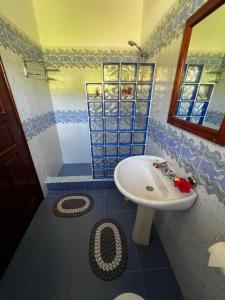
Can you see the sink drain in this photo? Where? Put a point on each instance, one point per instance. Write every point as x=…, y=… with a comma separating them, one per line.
x=149, y=188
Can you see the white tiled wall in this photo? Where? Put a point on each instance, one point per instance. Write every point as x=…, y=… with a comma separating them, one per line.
x=32, y=98
x=187, y=235
x=69, y=95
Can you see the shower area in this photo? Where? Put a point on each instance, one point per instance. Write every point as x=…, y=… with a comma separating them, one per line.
x=101, y=108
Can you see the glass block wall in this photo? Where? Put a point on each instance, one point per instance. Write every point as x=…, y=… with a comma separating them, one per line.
x=194, y=96
x=118, y=110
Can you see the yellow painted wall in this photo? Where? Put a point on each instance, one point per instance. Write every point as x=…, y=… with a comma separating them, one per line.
x=153, y=11
x=88, y=23
x=209, y=34
x=21, y=13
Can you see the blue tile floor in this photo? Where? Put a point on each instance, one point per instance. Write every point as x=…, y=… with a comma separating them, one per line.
x=51, y=262
x=75, y=170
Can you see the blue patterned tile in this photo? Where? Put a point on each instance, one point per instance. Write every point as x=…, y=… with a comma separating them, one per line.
x=17, y=41
x=195, y=157
x=71, y=116
x=33, y=127
x=86, y=58
x=187, y=8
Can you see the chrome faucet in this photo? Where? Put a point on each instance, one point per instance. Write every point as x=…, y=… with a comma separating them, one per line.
x=163, y=166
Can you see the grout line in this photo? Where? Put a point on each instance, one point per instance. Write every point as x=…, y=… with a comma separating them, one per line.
x=156, y=269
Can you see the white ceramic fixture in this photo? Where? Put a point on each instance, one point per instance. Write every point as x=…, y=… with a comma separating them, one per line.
x=138, y=180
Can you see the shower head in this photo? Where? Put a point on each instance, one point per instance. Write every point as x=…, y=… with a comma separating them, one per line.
x=133, y=43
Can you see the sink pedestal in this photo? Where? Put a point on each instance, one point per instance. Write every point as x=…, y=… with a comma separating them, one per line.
x=143, y=224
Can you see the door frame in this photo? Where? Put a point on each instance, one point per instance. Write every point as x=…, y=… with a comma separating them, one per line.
x=19, y=124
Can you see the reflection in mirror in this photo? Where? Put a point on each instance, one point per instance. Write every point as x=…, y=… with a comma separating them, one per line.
x=201, y=99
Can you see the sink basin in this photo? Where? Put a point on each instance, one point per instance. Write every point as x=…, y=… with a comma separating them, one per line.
x=135, y=175
x=138, y=180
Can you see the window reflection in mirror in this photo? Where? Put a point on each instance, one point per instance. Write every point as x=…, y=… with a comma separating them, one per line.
x=201, y=99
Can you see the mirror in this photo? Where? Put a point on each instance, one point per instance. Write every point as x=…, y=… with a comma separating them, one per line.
x=198, y=99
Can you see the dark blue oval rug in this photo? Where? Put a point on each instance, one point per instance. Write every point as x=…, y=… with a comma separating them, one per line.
x=73, y=205
x=108, y=254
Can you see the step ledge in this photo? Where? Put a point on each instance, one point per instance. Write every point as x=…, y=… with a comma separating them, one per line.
x=73, y=179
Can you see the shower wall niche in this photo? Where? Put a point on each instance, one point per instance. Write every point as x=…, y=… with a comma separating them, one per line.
x=118, y=110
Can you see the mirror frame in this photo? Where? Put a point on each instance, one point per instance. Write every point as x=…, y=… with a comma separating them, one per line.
x=216, y=136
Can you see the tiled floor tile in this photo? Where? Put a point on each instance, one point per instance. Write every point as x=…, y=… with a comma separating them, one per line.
x=13, y=290
x=75, y=170
x=51, y=287
x=94, y=185
x=80, y=263
x=110, y=185
x=98, y=197
x=74, y=186
x=56, y=186
x=127, y=282
x=115, y=201
x=153, y=255
x=86, y=287
x=28, y=253
x=161, y=285
x=52, y=259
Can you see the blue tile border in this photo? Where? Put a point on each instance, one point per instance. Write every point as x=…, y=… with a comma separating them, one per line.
x=71, y=116
x=11, y=37
x=87, y=58
x=171, y=25
x=34, y=126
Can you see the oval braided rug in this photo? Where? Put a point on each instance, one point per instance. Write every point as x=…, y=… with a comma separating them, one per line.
x=108, y=254
x=73, y=205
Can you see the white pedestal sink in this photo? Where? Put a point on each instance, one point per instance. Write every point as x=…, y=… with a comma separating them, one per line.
x=138, y=180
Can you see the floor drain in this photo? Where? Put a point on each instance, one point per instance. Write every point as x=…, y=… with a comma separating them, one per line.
x=149, y=188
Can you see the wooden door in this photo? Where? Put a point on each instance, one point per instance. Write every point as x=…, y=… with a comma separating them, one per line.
x=20, y=192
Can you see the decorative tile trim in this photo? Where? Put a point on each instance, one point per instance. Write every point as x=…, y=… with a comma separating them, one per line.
x=90, y=57
x=171, y=25
x=71, y=116
x=212, y=60
x=208, y=166
x=11, y=37
x=34, y=126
